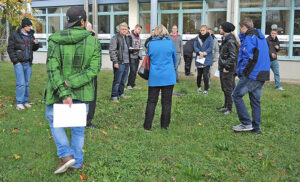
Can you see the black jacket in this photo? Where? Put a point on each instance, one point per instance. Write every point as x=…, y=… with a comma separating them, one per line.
x=16, y=47
x=188, y=48
x=228, y=53
x=272, y=43
x=116, y=48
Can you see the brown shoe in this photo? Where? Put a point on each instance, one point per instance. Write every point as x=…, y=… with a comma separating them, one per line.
x=64, y=164
x=73, y=169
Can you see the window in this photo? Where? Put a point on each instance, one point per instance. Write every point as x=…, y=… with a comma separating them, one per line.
x=53, y=10
x=120, y=19
x=145, y=22
x=191, y=23
x=39, y=10
x=218, y=4
x=120, y=7
x=255, y=16
x=214, y=19
x=251, y=3
x=104, y=8
x=278, y=3
x=169, y=6
x=192, y=5
x=168, y=20
x=104, y=24
x=41, y=24
x=54, y=24
x=281, y=19
x=145, y=7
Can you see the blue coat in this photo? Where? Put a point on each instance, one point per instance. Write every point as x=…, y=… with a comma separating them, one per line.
x=207, y=47
x=254, y=60
x=162, y=56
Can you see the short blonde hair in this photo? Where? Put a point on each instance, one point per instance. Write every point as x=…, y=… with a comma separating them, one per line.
x=204, y=26
x=160, y=30
x=124, y=24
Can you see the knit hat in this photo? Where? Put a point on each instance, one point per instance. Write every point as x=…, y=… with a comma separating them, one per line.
x=26, y=22
x=227, y=27
x=74, y=15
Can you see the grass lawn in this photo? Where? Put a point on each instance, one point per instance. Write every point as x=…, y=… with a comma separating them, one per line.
x=199, y=145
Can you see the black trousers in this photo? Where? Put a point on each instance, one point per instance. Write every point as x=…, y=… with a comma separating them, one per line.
x=134, y=65
x=166, y=102
x=92, y=105
x=205, y=73
x=227, y=84
x=187, y=64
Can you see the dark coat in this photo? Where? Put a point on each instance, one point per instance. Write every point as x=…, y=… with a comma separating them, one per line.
x=16, y=47
x=228, y=53
x=116, y=48
x=272, y=43
x=188, y=48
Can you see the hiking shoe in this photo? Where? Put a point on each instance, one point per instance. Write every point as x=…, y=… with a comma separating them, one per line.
x=242, y=127
x=64, y=164
x=280, y=88
x=199, y=90
x=27, y=105
x=205, y=92
x=227, y=112
x=20, y=107
x=129, y=87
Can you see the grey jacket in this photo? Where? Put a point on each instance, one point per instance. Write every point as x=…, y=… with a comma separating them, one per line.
x=136, y=43
x=215, y=52
x=177, y=43
x=116, y=48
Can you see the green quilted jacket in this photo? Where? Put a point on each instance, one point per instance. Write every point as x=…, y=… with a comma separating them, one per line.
x=74, y=56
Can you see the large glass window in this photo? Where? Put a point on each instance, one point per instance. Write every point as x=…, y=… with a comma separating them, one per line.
x=278, y=3
x=297, y=23
x=217, y=4
x=168, y=20
x=214, y=19
x=41, y=24
x=255, y=16
x=169, y=6
x=104, y=24
x=104, y=8
x=191, y=23
x=145, y=7
x=281, y=19
x=39, y=10
x=145, y=22
x=120, y=19
x=120, y=7
x=297, y=3
x=54, y=24
x=192, y=5
x=251, y=3
x=53, y=10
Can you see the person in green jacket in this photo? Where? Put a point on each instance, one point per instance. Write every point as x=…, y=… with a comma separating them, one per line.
x=73, y=60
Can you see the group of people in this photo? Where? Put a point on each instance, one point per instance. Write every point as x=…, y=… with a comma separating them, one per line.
x=74, y=61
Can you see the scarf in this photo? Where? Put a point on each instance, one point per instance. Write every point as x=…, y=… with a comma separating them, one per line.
x=203, y=37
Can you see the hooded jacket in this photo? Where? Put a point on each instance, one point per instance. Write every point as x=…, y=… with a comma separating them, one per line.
x=228, y=53
x=74, y=56
x=254, y=60
x=272, y=43
x=16, y=47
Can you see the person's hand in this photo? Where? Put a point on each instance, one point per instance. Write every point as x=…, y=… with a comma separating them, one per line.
x=35, y=41
x=224, y=70
x=116, y=66
x=277, y=47
x=68, y=101
x=273, y=55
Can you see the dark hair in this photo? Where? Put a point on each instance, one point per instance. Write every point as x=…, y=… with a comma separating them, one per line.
x=138, y=25
x=247, y=22
x=274, y=30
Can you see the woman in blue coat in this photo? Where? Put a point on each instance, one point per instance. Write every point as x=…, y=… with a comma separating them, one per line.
x=203, y=47
x=162, y=76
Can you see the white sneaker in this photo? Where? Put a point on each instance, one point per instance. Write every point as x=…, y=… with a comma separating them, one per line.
x=280, y=88
x=20, y=107
x=129, y=88
x=199, y=89
x=205, y=92
x=27, y=105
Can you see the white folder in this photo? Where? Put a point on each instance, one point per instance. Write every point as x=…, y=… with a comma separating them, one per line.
x=64, y=116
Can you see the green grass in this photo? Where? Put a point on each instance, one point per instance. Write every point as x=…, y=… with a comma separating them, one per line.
x=186, y=152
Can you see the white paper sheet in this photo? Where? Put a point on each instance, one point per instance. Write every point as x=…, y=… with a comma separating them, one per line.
x=200, y=60
x=217, y=74
x=64, y=116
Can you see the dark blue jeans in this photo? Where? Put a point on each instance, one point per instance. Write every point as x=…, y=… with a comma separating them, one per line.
x=254, y=89
x=120, y=78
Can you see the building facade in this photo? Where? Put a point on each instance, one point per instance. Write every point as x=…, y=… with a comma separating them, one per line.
x=188, y=15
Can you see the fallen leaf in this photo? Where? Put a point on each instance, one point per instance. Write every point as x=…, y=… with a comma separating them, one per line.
x=83, y=166
x=164, y=180
x=115, y=127
x=3, y=130
x=241, y=170
x=83, y=177
x=41, y=124
x=17, y=156
x=104, y=133
x=173, y=178
x=83, y=150
x=260, y=155
x=4, y=88
x=1, y=105
x=50, y=137
x=200, y=124
x=15, y=130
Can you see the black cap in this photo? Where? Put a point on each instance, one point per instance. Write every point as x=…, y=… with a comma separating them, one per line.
x=26, y=22
x=74, y=15
x=228, y=27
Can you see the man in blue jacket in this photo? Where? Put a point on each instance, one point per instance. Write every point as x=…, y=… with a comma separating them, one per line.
x=253, y=70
